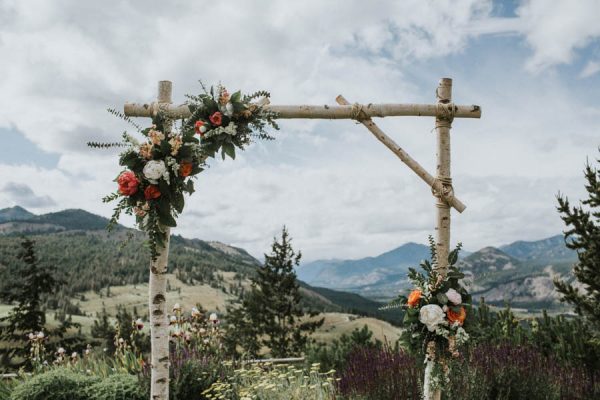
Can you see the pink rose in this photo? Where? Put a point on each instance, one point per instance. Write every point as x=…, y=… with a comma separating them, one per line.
x=216, y=119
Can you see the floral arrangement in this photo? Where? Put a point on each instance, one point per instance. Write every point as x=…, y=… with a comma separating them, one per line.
x=161, y=168
x=436, y=309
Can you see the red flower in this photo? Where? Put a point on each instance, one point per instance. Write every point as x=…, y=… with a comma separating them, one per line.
x=185, y=169
x=199, y=127
x=128, y=183
x=216, y=118
x=151, y=192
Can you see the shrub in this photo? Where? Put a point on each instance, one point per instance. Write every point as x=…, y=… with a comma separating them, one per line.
x=57, y=384
x=334, y=355
x=509, y=371
x=381, y=374
x=117, y=387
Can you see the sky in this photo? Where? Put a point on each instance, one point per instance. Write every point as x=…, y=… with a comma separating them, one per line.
x=533, y=66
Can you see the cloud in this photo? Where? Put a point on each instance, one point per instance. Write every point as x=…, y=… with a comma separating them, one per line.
x=23, y=195
x=591, y=68
x=555, y=32
x=340, y=192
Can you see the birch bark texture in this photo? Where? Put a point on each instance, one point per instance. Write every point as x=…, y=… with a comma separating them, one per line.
x=157, y=290
x=443, y=123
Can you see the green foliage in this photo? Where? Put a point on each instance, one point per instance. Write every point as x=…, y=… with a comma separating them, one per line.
x=270, y=313
x=116, y=387
x=57, y=384
x=27, y=316
x=196, y=374
x=583, y=235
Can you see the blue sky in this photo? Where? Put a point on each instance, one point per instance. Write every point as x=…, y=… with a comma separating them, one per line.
x=533, y=66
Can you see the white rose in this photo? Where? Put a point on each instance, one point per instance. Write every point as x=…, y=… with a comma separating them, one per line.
x=228, y=109
x=154, y=170
x=431, y=315
x=454, y=297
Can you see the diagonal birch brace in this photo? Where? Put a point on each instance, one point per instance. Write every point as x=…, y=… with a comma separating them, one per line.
x=435, y=184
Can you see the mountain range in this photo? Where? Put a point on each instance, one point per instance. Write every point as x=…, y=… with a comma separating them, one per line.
x=86, y=257
x=521, y=273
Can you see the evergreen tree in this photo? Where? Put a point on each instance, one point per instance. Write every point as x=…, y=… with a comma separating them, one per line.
x=583, y=235
x=27, y=294
x=270, y=313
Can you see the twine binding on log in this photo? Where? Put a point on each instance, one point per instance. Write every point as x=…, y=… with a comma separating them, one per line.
x=445, y=183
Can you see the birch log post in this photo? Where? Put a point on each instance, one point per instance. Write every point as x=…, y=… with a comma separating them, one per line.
x=157, y=288
x=443, y=123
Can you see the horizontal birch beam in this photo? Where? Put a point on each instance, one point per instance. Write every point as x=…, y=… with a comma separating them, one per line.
x=407, y=159
x=326, y=111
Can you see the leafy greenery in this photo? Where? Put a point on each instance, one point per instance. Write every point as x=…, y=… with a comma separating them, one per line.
x=116, y=387
x=583, y=235
x=57, y=384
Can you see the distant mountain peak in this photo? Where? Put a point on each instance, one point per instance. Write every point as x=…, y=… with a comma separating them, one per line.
x=16, y=213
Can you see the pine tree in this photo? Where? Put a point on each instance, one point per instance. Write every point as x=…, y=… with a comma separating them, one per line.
x=583, y=235
x=27, y=293
x=270, y=313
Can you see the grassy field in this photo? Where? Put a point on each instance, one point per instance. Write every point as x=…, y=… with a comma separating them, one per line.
x=211, y=299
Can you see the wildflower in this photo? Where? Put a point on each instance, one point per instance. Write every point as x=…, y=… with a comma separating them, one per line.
x=173, y=320
x=61, y=351
x=195, y=313
x=213, y=318
x=176, y=308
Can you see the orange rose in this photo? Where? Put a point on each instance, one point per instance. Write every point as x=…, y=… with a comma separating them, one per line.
x=414, y=297
x=185, y=169
x=458, y=317
x=152, y=192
